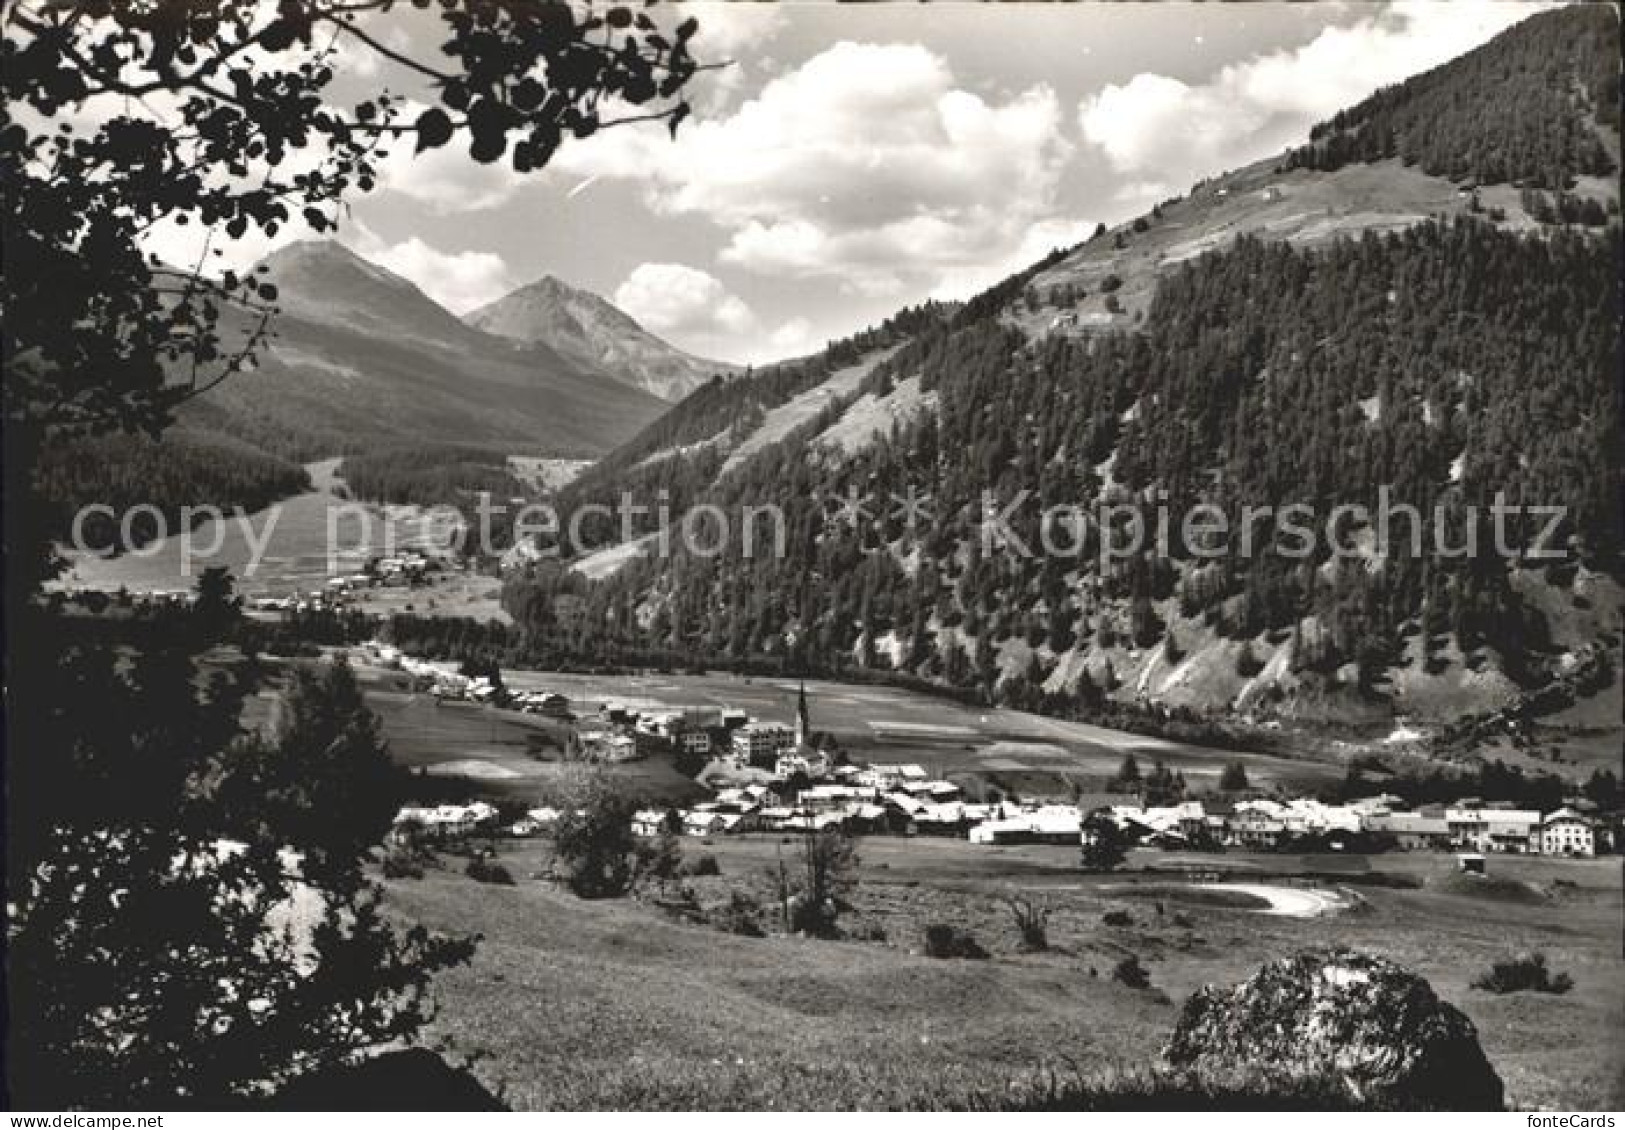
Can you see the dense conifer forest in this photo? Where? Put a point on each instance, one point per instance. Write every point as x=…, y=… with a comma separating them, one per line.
x=124, y=472
x=1520, y=109
x=1437, y=367
x=428, y=474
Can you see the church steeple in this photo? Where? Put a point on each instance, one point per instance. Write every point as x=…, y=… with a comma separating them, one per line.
x=803, y=725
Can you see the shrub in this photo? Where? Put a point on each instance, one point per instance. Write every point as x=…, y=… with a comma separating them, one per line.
x=1032, y=922
x=661, y=858
x=402, y=865
x=1130, y=972
x=1117, y=918
x=741, y=915
x=406, y=858
x=484, y=870
x=704, y=865
x=1524, y=973
x=812, y=899
x=945, y=941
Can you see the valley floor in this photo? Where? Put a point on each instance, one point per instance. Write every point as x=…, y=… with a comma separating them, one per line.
x=618, y=1004
x=1019, y=753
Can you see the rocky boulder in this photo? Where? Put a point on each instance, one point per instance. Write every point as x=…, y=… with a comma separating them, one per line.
x=1376, y=1027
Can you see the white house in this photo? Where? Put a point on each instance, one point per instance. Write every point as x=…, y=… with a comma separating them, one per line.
x=1049, y=825
x=1566, y=832
x=814, y=764
x=1494, y=829
x=892, y=777
x=760, y=743
x=445, y=820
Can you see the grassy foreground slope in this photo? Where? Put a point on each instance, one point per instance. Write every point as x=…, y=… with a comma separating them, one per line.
x=615, y=1005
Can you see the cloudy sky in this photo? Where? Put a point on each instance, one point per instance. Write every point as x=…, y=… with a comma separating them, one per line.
x=854, y=159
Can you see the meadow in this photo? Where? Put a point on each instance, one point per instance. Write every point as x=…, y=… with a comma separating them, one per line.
x=281, y=550
x=1023, y=753
x=508, y=754
x=626, y=1004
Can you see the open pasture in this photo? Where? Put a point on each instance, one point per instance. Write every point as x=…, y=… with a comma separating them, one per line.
x=616, y=1004
x=1020, y=752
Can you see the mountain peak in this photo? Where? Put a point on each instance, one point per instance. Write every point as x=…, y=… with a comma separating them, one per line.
x=587, y=326
x=318, y=270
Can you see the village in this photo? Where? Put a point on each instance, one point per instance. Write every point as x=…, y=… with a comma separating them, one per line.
x=765, y=777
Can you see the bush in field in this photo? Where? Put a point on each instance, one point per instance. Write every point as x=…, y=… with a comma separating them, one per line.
x=661, y=858
x=945, y=941
x=597, y=854
x=1117, y=918
x=741, y=915
x=483, y=869
x=398, y=865
x=703, y=866
x=1524, y=973
x=406, y=857
x=1031, y=918
x=1130, y=972
x=811, y=895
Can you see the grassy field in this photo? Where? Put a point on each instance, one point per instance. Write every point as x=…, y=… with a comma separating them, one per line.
x=616, y=1004
x=1021, y=753
x=501, y=754
x=510, y=754
x=276, y=551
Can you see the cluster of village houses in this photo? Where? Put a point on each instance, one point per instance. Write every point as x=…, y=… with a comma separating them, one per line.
x=773, y=778
x=903, y=799
x=404, y=568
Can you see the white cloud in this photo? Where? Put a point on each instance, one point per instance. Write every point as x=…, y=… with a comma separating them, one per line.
x=460, y=281
x=728, y=30
x=445, y=180
x=1040, y=239
x=690, y=304
x=735, y=34
x=1164, y=131
x=793, y=339
x=866, y=164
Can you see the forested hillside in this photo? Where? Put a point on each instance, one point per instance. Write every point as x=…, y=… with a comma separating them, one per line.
x=125, y=472
x=428, y=474
x=1311, y=340
x=679, y=455
x=1520, y=108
